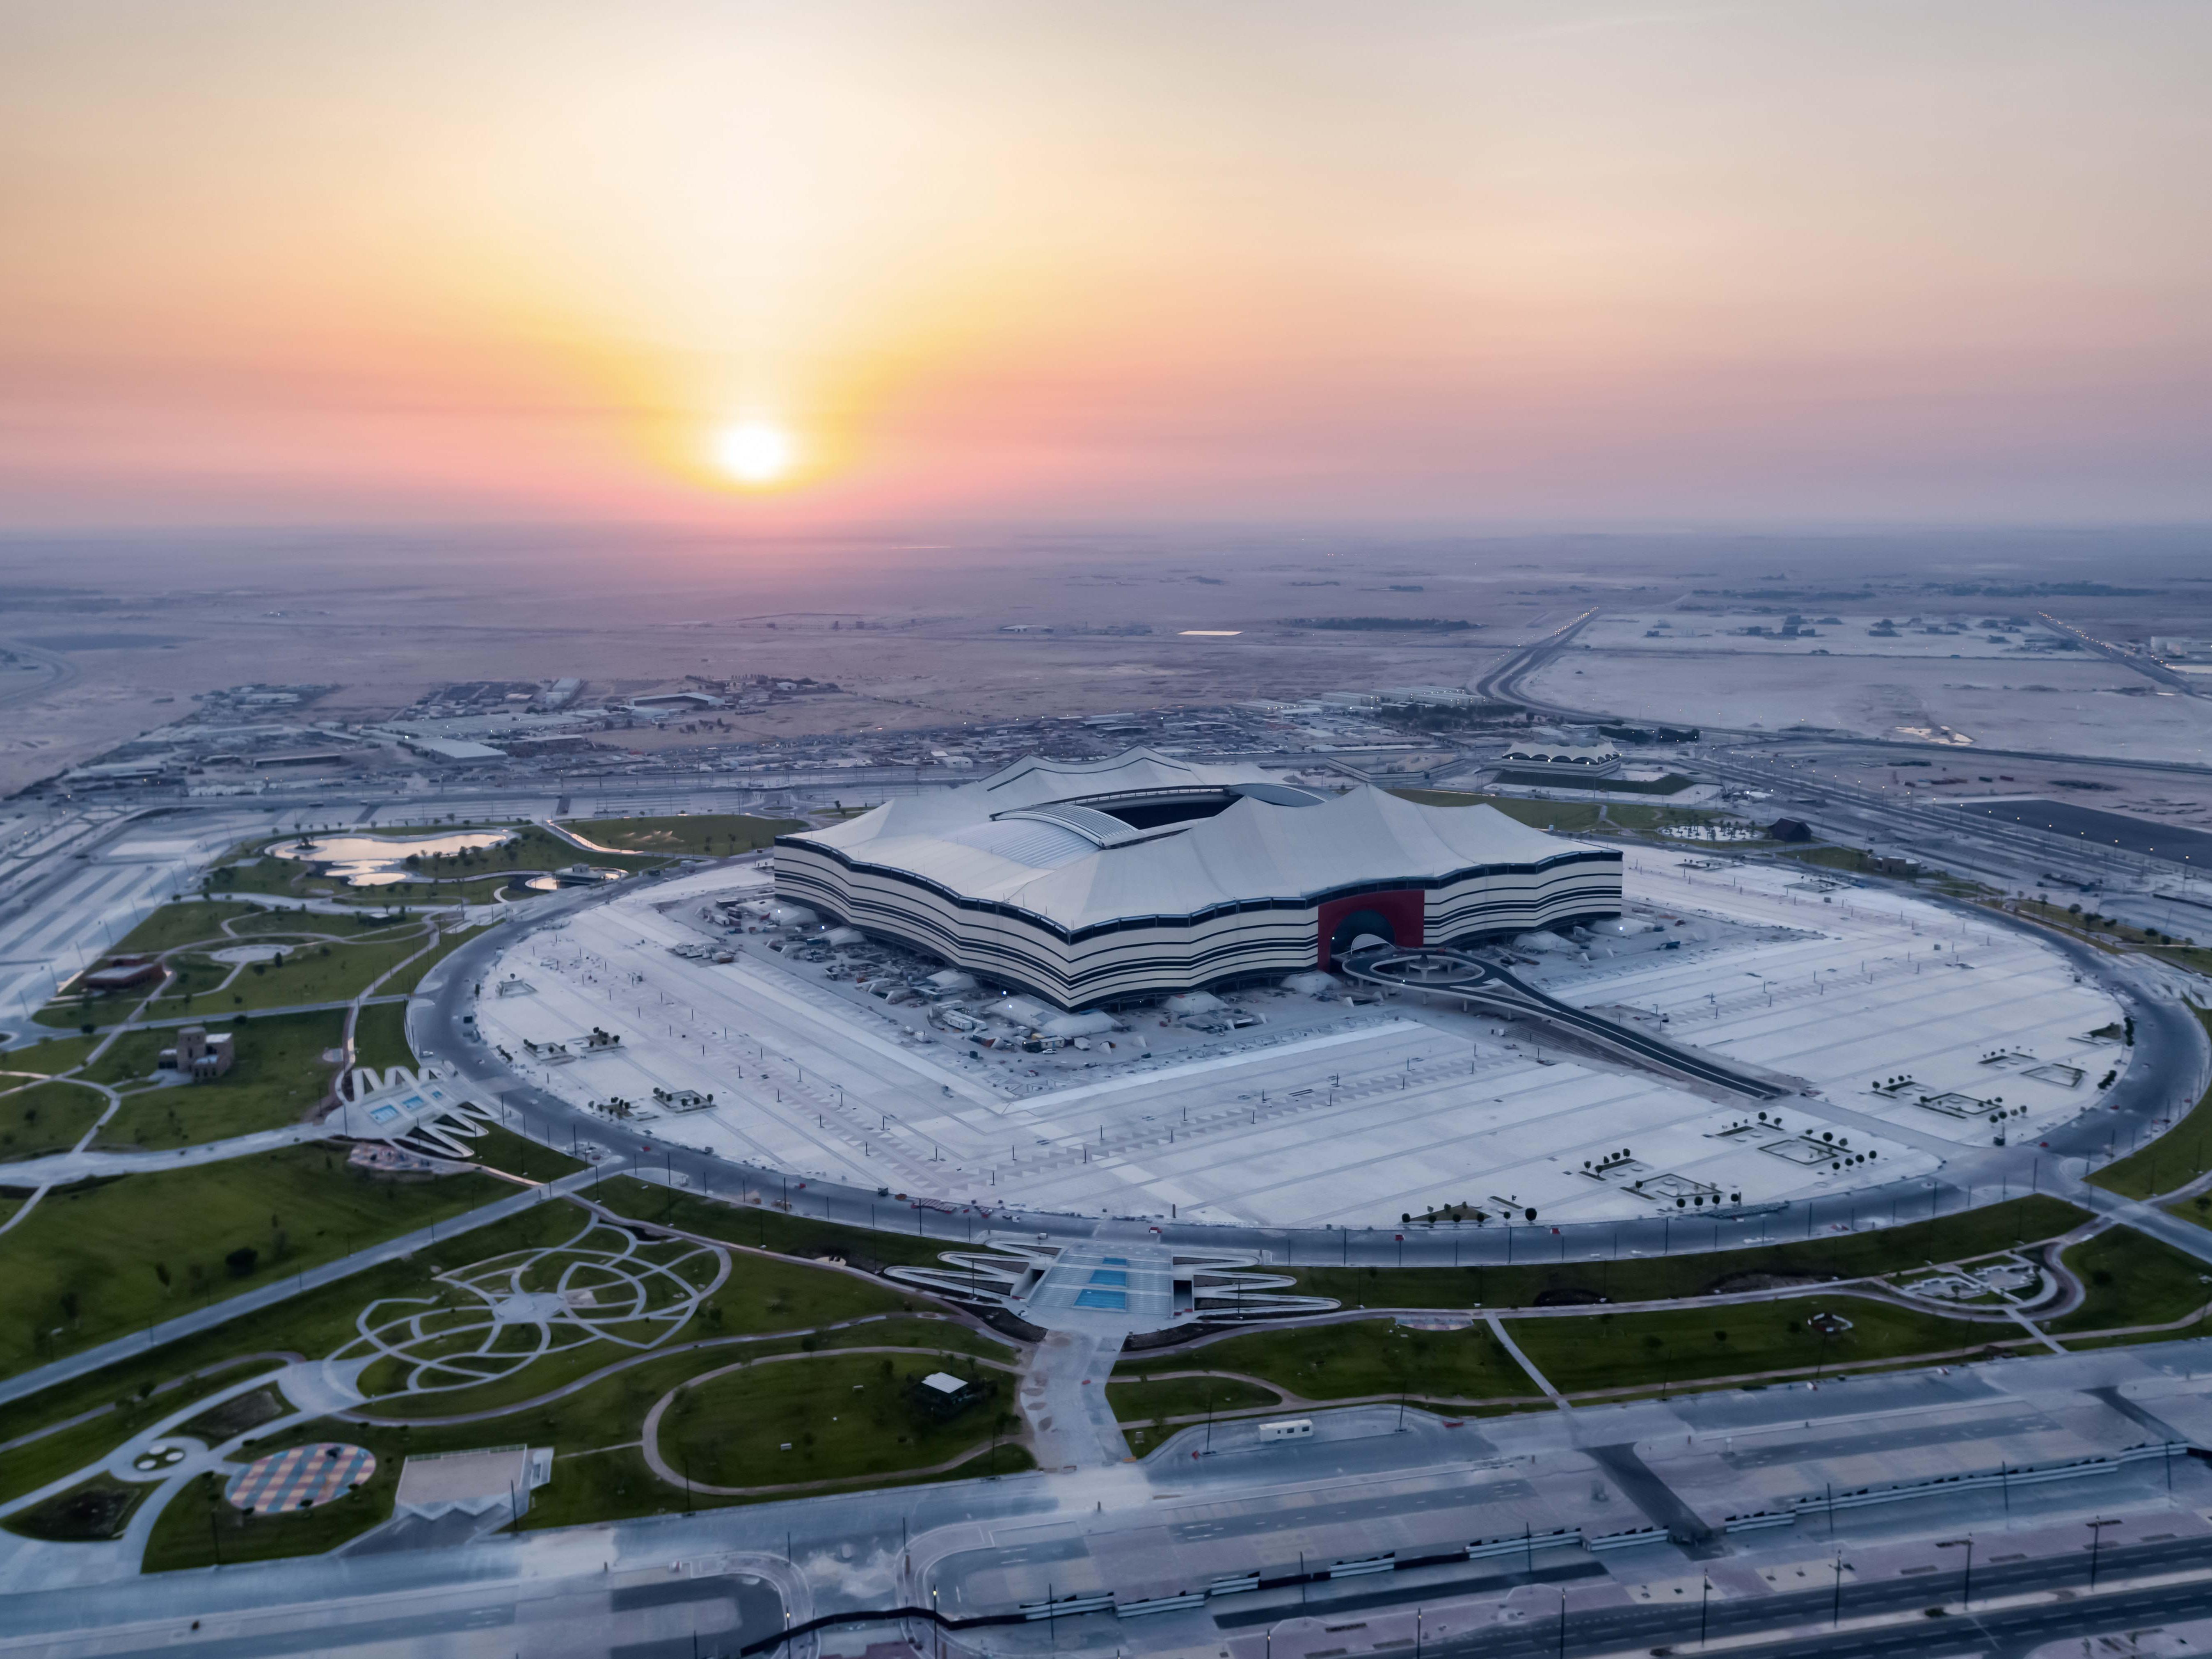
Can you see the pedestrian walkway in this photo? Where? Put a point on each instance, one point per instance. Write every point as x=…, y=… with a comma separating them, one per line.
x=269, y=1296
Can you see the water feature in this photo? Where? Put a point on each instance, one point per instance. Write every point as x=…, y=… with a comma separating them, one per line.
x=381, y=861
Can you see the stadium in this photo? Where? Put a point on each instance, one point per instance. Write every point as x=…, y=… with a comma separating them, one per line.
x=1091, y=882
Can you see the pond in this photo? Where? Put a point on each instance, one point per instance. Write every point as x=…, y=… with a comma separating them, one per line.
x=381, y=861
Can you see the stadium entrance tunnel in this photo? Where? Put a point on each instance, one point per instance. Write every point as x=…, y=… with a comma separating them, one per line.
x=1394, y=919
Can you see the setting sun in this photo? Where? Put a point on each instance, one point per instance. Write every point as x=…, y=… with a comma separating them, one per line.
x=754, y=453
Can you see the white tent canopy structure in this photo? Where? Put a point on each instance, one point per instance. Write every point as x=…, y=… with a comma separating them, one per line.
x=1085, y=882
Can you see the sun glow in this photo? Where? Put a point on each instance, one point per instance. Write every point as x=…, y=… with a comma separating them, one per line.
x=755, y=453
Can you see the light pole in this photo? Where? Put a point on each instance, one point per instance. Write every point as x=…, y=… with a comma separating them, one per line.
x=1966, y=1588
x=2096, y=1537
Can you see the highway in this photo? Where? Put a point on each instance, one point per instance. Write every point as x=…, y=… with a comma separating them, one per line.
x=1272, y=1527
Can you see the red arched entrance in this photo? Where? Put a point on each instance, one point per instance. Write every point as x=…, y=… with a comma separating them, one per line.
x=1403, y=909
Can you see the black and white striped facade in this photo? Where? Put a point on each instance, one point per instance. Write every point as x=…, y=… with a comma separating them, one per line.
x=1088, y=882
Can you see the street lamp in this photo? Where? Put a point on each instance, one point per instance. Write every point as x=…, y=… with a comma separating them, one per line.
x=2096, y=1537
x=1966, y=1588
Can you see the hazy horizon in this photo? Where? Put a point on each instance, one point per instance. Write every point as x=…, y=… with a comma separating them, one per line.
x=783, y=269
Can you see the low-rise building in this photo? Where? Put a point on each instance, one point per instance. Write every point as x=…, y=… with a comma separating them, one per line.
x=1564, y=760
x=200, y=1054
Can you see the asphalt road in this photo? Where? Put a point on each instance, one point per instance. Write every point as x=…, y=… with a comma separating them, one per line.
x=2171, y=841
x=2003, y=1630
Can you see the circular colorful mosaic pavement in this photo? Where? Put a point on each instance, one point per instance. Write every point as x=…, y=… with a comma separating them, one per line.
x=299, y=1478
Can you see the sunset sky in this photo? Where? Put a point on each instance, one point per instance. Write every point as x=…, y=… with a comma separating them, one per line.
x=842, y=262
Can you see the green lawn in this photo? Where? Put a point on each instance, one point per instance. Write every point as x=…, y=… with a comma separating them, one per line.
x=192, y=922
x=766, y=1228
x=760, y=1295
x=39, y=1118
x=1364, y=1357
x=85, y=1266
x=841, y=1415
x=379, y=1037
x=1146, y=1401
x=49, y=1056
x=314, y=1324
x=502, y=1149
x=710, y=834
x=412, y=974
x=319, y=973
x=310, y=972
x=605, y=1485
x=2174, y=1159
x=275, y=926
x=1832, y=1255
x=66, y=1450
x=278, y=1077
x=1616, y=1350
x=94, y=1510
x=1575, y=817
x=2131, y=1279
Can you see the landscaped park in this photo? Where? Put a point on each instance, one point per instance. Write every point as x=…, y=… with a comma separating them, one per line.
x=674, y=1351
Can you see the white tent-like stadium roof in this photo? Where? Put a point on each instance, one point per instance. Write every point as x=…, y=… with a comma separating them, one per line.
x=1009, y=839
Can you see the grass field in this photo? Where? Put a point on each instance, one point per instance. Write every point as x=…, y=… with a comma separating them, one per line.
x=49, y=1056
x=704, y=835
x=66, y=1450
x=1833, y=1255
x=2174, y=1159
x=766, y=1228
x=1619, y=1351
x=86, y=1264
x=503, y=1149
x=1148, y=1402
x=315, y=973
x=601, y=1484
x=1363, y=1357
x=94, y=1511
x=39, y=1118
x=278, y=1076
x=314, y=1324
x=192, y=922
x=310, y=971
x=840, y=1415
x=760, y=1295
x=2131, y=1279
x=413, y=974
x=379, y=1037
x=1573, y=817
